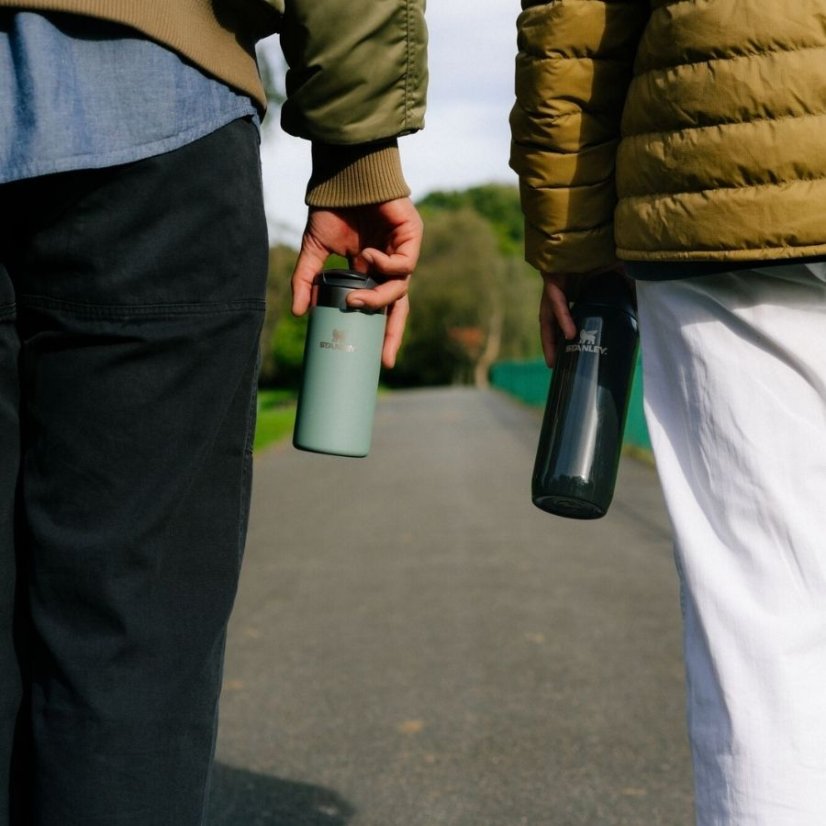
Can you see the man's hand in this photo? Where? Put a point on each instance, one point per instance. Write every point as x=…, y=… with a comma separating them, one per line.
x=555, y=321
x=382, y=240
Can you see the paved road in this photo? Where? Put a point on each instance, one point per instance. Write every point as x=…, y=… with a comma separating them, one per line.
x=415, y=644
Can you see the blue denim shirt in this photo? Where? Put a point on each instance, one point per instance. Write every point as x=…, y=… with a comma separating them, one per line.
x=81, y=93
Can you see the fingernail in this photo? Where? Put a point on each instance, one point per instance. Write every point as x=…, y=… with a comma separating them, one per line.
x=356, y=302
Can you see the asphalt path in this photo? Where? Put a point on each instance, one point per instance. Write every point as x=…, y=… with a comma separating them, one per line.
x=414, y=644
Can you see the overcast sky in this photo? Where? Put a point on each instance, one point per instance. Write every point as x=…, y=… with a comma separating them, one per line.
x=466, y=138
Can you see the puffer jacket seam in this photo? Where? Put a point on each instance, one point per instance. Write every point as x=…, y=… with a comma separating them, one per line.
x=531, y=5
x=682, y=130
x=576, y=112
x=573, y=230
x=552, y=150
x=659, y=196
x=571, y=187
x=747, y=253
x=547, y=58
x=726, y=58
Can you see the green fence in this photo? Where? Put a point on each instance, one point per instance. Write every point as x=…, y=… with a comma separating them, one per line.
x=529, y=381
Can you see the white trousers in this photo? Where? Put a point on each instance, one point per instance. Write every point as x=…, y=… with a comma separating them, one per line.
x=735, y=398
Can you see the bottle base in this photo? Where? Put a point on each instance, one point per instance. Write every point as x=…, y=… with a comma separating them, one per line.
x=332, y=451
x=569, y=506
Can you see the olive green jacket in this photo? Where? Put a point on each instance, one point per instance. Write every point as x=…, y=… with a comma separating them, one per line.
x=657, y=130
x=357, y=73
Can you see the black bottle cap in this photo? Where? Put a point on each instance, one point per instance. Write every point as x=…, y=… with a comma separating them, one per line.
x=332, y=287
x=608, y=289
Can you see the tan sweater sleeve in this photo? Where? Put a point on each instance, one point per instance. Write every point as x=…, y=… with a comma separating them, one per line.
x=348, y=176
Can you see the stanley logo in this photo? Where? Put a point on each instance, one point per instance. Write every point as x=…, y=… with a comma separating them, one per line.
x=588, y=343
x=338, y=342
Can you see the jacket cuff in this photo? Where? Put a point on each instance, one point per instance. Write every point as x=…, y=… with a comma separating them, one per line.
x=349, y=176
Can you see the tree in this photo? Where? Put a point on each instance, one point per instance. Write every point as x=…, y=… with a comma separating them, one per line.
x=497, y=203
x=282, y=336
x=473, y=299
x=454, y=300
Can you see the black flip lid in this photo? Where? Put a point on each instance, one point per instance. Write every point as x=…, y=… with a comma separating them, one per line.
x=332, y=286
x=608, y=290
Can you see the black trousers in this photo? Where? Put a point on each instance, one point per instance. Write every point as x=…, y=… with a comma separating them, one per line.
x=131, y=302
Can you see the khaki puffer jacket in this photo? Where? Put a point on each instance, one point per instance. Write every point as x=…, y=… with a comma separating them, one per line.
x=357, y=78
x=653, y=131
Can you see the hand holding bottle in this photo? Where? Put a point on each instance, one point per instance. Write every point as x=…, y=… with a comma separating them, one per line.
x=579, y=445
x=380, y=239
x=555, y=320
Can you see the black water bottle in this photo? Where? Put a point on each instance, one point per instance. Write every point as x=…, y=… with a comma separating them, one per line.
x=581, y=438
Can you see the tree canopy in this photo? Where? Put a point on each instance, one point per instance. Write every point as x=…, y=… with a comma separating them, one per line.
x=473, y=299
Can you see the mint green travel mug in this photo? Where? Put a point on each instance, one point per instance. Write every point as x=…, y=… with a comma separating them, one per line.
x=342, y=361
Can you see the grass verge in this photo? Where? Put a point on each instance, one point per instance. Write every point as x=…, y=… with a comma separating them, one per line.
x=276, y=416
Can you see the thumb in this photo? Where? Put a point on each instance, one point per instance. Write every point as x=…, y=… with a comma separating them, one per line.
x=307, y=266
